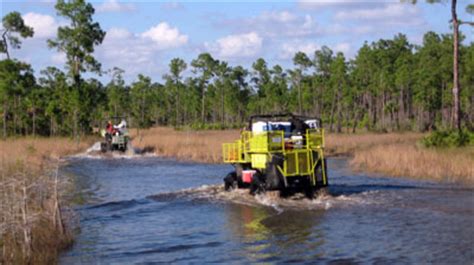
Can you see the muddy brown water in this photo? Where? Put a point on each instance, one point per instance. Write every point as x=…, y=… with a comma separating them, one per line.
x=152, y=210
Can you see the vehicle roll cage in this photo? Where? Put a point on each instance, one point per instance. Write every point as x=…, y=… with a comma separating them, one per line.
x=273, y=117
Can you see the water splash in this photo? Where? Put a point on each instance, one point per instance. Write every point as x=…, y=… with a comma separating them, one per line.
x=94, y=148
x=94, y=152
x=216, y=193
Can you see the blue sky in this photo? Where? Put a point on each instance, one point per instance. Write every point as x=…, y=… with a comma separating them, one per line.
x=142, y=36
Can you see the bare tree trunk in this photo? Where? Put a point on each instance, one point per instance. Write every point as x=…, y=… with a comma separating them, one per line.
x=374, y=111
x=177, y=105
x=57, y=218
x=321, y=102
x=333, y=108
x=14, y=115
x=5, y=42
x=5, y=108
x=75, y=123
x=223, y=106
x=384, y=102
x=34, y=122
x=339, y=111
x=51, y=132
x=315, y=104
x=300, y=104
x=26, y=228
x=203, y=94
x=456, y=121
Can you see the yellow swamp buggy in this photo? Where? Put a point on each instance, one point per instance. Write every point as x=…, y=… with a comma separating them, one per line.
x=278, y=152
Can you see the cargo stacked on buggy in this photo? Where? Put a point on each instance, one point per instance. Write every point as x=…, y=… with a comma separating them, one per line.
x=115, y=137
x=282, y=152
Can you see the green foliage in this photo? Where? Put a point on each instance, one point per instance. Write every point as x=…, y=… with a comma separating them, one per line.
x=449, y=139
x=214, y=126
x=470, y=9
x=390, y=84
x=141, y=96
x=13, y=24
x=79, y=38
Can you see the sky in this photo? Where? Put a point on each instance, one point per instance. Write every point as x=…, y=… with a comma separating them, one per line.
x=143, y=36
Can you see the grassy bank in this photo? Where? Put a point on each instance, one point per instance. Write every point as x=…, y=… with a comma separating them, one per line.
x=414, y=161
x=393, y=154
x=33, y=227
x=200, y=146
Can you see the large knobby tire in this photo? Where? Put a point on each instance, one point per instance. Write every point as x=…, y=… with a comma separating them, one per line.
x=273, y=178
x=309, y=190
x=230, y=181
x=257, y=185
x=103, y=147
x=238, y=171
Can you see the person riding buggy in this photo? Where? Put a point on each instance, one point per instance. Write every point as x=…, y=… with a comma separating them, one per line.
x=115, y=136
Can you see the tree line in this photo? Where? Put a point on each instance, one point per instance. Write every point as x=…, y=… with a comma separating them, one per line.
x=390, y=84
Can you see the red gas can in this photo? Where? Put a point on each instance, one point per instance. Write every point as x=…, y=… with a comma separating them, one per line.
x=247, y=175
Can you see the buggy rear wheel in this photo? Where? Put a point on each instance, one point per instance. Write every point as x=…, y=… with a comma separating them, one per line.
x=230, y=181
x=257, y=185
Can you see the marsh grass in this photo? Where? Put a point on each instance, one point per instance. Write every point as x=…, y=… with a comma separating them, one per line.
x=348, y=144
x=200, y=146
x=206, y=146
x=33, y=227
x=415, y=161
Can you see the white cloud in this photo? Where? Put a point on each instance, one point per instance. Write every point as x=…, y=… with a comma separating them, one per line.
x=118, y=33
x=165, y=36
x=343, y=47
x=348, y=29
x=274, y=24
x=44, y=26
x=289, y=49
x=128, y=51
x=115, y=6
x=280, y=16
x=341, y=4
x=237, y=46
x=58, y=58
x=390, y=11
x=138, y=52
x=173, y=5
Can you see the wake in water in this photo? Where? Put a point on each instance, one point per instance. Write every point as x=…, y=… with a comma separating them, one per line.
x=94, y=152
x=216, y=193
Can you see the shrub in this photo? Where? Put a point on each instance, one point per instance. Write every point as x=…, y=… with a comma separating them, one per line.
x=449, y=139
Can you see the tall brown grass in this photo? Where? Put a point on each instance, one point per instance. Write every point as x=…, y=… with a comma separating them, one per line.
x=201, y=146
x=348, y=144
x=32, y=225
x=205, y=146
x=408, y=160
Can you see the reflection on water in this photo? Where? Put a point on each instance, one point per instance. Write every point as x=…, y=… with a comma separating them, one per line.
x=153, y=210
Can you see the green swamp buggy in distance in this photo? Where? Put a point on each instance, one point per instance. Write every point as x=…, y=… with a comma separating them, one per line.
x=279, y=152
x=115, y=137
